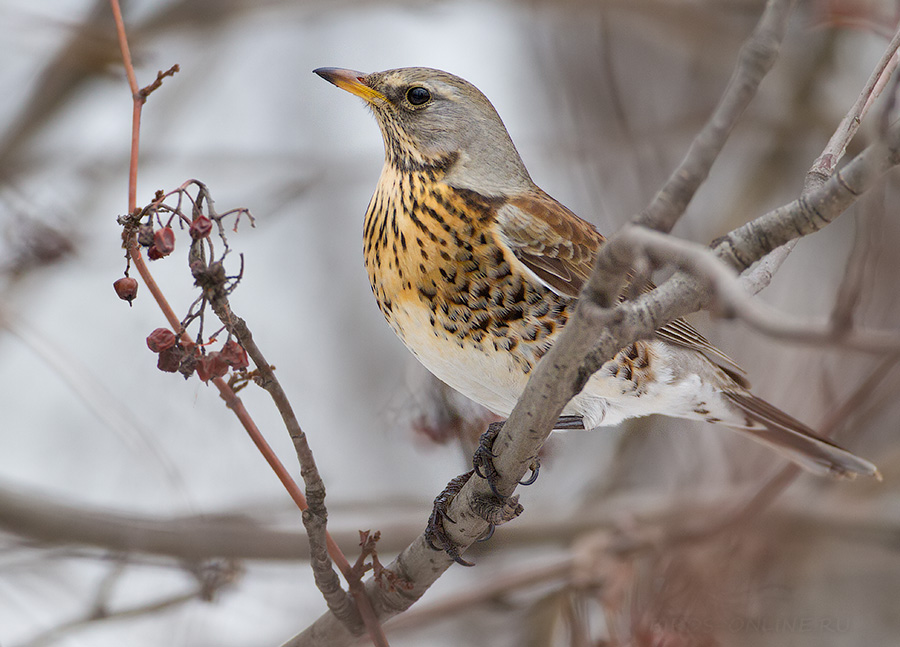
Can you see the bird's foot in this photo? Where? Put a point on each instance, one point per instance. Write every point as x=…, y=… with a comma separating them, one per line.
x=483, y=460
x=435, y=535
x=494, y=509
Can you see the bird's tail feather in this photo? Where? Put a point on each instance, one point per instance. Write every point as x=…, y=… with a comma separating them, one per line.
x=796, y=441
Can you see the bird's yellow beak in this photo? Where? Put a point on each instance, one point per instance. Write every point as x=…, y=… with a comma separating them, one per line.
x=351, y=81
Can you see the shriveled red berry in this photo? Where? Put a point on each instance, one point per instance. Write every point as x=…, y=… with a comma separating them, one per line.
x=153, y=253
x=200, y=227
x=126, y=287
x=211, y=365
x=234, y=355
x=161, y=339
x=170, y=359
x=164, y=241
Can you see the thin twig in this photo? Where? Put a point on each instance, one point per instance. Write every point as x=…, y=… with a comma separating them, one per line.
x=730, y=300
x=756, y=58
x=824, y=166
x=813, y=210
x=335, y=596
x=314, y=513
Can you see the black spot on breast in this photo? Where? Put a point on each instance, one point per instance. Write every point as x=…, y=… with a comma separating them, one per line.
x=512, y=313
x=480, y=289
x=481, y=321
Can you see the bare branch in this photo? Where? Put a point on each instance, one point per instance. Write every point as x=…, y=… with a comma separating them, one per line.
x=757, y=57
x=825, y=164
x=757, y=278
x=812, y=210
x=315, y=515
x=730, y=300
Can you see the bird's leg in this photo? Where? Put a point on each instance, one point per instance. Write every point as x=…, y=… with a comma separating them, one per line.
x=493, y=509
x=483, y=459
x=435, y=535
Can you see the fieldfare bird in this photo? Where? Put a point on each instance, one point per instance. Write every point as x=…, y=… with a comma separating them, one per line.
x=476, y=269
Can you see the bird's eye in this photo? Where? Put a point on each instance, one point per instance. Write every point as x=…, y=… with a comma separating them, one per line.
x=417, y=95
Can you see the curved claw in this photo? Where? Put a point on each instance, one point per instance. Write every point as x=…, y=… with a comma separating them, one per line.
x=534, y=475
x=483, y=459
x=459, y=560
x=487, y=533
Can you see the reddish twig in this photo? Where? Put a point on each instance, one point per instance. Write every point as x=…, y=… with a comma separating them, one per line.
x=228, y=395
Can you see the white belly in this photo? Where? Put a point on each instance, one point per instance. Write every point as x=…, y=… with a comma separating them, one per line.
x=495, y=380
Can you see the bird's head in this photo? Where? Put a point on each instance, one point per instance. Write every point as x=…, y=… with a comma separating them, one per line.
x=431, y=118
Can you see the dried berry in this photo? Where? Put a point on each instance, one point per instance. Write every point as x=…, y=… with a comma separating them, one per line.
x=161, y=339
x=153, y=253
x=170, y=359
x=234, y=355
x=145, y=235
x=211, y=366
x=200, y=227
x=126, y=287
x=163, y=241
x=188, y=363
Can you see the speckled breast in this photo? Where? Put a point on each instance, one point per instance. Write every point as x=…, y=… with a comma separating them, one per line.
x=459, y=301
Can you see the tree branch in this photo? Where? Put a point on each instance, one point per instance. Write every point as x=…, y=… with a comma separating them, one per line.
x=825, y=164
x=812, y=210
x=730, y=300
x=756, y=58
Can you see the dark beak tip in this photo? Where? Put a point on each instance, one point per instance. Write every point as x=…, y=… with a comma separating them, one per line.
x=332, y=73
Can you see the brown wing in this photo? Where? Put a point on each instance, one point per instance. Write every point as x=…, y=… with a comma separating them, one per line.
x=560, y=249
x=551, y=241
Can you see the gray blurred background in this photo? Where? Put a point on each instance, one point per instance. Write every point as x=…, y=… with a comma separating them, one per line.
x=602, y=100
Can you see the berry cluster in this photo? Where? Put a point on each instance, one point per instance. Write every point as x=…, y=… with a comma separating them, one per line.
x=184, y=356
x=190, y=207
